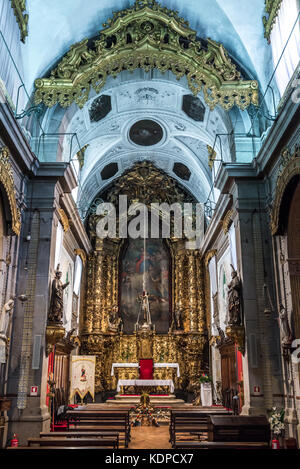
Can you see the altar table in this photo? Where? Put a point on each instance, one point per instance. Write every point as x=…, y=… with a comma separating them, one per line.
x=136, y=365
x=146, y=382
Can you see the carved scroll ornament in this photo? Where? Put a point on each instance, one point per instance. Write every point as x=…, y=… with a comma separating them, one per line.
x=7, y=180
x=147, y=36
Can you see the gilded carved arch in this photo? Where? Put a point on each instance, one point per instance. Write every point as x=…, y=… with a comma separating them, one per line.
x=290, y=167
x=147, y=36
x=7, y=181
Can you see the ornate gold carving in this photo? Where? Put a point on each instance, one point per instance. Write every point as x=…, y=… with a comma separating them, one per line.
x=237, y=335
x=54, y=334
x=212, y=154
x=227, y=220
x=7, y=180
x=64, y=219
x=81, y=254
x=147, y=36
x=290, y=167
x=19, y=7
x=208, y=256
x=272, y=8
x=80, y=155
x=145, y=183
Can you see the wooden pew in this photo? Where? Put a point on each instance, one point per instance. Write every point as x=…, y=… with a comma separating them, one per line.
x=190, y=421
x=78, y=434
x=194, y=444
x=100, y=420
x=110, y=442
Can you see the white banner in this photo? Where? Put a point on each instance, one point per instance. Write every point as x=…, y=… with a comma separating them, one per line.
x=83, y=375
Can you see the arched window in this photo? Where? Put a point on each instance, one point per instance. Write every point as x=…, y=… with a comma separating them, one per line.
x=281, y=31
x=77, y=277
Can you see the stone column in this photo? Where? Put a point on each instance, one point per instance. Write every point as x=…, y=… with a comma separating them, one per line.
x=260, y=362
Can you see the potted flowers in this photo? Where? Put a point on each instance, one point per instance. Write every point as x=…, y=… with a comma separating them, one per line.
x=276, y=420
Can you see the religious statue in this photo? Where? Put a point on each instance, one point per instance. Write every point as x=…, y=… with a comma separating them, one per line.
x=178, y=320
x=234, y=299
x=5, y=316
x=114, y=320
x=56, y=304
x=145, y=312
x=286, y=334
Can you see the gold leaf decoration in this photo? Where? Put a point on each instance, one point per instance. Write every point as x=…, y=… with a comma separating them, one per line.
x=81, y=254
x=64, y=219
x=80, y=155
x=227, y=220
x=19, y=7
x=7, y=180
x=147, y=36
x=272, y=8
x=211, y=156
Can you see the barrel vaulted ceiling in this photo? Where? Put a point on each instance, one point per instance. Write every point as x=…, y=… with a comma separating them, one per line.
x=54, y=27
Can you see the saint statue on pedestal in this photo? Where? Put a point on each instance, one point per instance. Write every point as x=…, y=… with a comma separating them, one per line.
x=234, y=299
x=56, y=308
x=114, y=320
x=286, y=334
x=5, y=316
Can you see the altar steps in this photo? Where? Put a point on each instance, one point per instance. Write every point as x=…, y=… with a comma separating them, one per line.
x=159, y=401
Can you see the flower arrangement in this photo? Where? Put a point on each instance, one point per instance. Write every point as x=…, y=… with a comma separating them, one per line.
x=204, y=378
x=276, y=421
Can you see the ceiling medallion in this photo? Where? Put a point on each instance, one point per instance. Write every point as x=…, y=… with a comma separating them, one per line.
x=146, y=133
x=147, y=36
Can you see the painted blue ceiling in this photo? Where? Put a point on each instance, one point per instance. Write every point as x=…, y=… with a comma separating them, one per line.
x=54, y=26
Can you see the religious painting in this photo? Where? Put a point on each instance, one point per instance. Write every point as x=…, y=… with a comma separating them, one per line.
x=145, y=267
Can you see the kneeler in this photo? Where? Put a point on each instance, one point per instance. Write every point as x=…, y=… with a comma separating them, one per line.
x=146, y=368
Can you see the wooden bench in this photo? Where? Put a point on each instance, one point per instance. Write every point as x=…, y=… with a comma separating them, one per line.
x=84, y=434
x=36, y=448
x=194, y=444
x=191, y=421
x=100, y=420
x=110, y=442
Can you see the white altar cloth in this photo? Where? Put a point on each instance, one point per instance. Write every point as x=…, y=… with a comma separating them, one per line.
x=136, y=365
x=145, y=382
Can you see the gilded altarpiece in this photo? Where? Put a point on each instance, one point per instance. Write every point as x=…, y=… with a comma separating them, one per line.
x=103, y=287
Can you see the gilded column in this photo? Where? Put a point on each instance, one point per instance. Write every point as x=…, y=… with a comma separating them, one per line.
x=114, y=280
x=192, y=300
x=88, y=326
x=201, y=326
x=98, y=293
x=109, y=287
x=181, y=300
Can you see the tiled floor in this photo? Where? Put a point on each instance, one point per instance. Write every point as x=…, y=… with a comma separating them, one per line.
x=150, y=438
